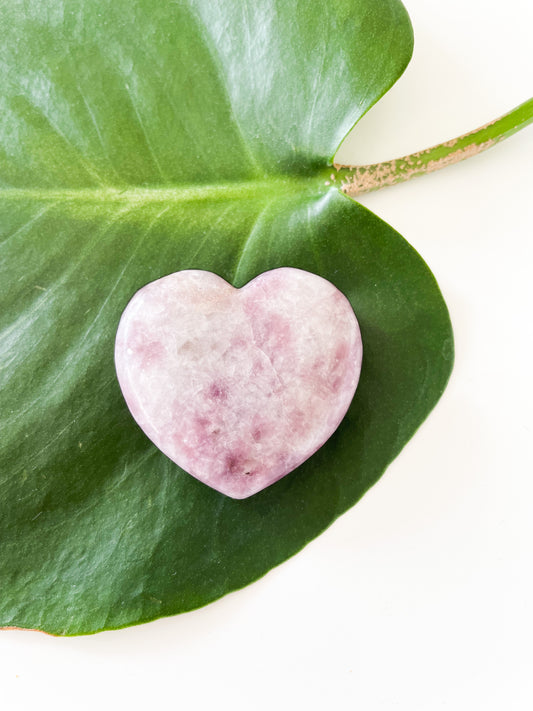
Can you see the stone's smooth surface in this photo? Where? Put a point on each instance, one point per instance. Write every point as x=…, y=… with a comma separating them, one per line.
x=238, y=386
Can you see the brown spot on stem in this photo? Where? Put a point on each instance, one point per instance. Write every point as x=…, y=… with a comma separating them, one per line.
x=366, y=178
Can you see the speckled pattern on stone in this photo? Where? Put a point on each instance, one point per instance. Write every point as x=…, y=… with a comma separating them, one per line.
x=238, y=386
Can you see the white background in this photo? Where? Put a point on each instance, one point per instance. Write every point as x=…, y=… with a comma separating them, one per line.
x=420, y=597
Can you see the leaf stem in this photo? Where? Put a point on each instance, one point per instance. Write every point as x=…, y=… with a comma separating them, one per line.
x=356, y=180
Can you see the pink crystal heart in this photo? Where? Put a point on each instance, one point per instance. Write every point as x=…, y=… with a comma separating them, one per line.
x=238, y=386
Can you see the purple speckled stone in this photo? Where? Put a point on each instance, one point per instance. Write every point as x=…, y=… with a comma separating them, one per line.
x=238, y=386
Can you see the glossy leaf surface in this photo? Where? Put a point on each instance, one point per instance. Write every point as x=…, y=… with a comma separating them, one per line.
x=141, y=138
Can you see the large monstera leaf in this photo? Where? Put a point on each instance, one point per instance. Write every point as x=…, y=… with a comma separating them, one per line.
x=139, y=138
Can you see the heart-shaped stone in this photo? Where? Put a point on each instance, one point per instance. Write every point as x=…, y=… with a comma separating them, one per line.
x=238, y=386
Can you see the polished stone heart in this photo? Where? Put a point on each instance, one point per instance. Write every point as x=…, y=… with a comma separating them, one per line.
x=238, y=386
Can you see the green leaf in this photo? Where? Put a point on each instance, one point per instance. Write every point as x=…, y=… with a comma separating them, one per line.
x=137, y=139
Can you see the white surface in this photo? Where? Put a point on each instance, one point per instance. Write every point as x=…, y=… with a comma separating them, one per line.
x=420, y=597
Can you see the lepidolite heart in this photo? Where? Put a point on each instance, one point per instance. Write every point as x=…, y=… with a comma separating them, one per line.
x=238, y=386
